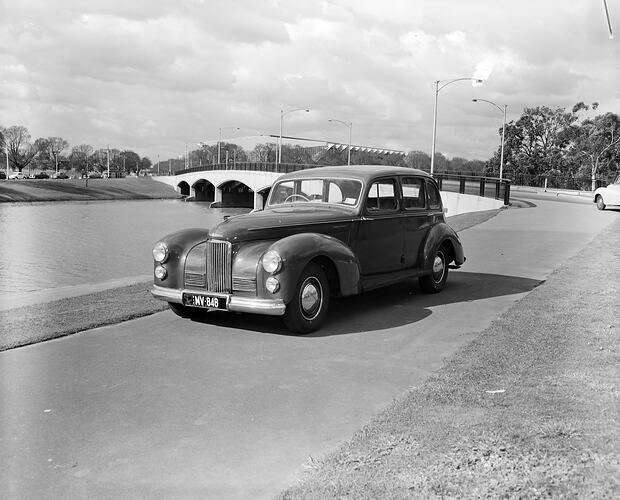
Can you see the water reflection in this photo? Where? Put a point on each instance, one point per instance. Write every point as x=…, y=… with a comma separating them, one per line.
x=53, y=245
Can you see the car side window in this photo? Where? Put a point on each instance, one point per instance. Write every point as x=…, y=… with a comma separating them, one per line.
x=382, y=196
x=434, y=198
x=413, y=193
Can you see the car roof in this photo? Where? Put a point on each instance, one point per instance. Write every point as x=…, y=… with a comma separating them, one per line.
x=361, y=172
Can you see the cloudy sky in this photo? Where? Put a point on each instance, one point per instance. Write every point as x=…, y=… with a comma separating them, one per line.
x=155, y=75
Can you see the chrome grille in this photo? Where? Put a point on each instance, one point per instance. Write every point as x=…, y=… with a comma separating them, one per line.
x=244, y=284
x=219, y=266
x=195, y=280
x=195, y=267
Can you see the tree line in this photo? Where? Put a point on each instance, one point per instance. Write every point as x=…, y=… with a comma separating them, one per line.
x=54, y=153
x=557, y=143
x=554, y=143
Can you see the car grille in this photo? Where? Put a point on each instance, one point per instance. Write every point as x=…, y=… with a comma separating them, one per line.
x=244, y=284
x=219, y=266
x=195, y=268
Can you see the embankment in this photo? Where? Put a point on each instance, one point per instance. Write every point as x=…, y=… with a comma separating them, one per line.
x=130, y=188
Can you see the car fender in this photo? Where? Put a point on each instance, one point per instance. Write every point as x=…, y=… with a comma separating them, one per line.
x=439, y=234
x=179, y=245
x=298, y=250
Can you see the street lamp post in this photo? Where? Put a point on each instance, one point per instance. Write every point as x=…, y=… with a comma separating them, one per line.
x=282, y=114
x=350, y=127
x=501, y=159
x=219, y=140
x=437, y=89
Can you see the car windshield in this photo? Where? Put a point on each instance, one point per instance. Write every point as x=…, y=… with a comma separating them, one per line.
x=333, y=191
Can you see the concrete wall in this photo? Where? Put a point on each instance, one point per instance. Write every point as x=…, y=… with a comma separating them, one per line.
x=463, y=203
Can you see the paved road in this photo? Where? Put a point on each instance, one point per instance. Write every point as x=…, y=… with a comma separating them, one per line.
x=162, y=407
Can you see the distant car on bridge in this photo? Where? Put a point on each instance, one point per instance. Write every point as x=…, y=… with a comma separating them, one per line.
x=606, y=196
x=324, y=232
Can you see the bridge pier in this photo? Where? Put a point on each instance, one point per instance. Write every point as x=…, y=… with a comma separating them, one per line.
x=259, y=201
x=217, y=195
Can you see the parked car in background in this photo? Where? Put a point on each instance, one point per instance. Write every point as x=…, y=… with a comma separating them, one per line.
x=61, y=175
x=18, y=175
x=95, y=175
x=324, y=232
x=2, y=175
x=606, y=196
x=42, y=175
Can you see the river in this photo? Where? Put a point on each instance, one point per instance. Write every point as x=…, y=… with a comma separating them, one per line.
x=69, y=248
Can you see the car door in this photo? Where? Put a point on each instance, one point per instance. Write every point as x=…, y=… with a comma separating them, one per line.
x=380, y=236
x=415, y=219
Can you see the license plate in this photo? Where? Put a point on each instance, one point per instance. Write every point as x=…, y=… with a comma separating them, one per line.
x=206, y=301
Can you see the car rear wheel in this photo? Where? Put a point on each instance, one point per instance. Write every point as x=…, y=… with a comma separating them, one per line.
x=600, y=204
x=308, y=309
x=436, y=280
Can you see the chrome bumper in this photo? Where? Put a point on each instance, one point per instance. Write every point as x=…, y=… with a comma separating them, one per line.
x=269, y=307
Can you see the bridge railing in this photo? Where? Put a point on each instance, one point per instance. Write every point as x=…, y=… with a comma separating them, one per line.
x=280, y=168
x=488, y=187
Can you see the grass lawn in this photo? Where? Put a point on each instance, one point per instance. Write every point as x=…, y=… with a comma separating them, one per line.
x=129, y=188
x=529, y=409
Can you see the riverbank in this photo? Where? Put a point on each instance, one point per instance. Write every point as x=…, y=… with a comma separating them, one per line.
x=128, y=188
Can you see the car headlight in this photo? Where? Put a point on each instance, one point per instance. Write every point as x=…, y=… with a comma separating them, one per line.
x=160, y=272
x=272, y=262
x=272, y=284
x=160, y=252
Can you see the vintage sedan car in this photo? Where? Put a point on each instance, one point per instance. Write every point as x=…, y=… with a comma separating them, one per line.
x=606, y=196
x=324, y=232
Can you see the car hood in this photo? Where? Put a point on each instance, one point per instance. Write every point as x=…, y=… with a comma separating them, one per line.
x=276, y=223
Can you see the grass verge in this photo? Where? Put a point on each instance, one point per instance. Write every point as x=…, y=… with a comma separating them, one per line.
x=28, y=325
x=130, y=188
x=527, y=410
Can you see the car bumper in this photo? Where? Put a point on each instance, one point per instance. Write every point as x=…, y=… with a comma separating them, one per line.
x=269, y=307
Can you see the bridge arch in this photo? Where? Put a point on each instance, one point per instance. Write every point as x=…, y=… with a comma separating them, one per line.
x=251, y=186
x=235, y=193
x=203, y=190
x=183, y=188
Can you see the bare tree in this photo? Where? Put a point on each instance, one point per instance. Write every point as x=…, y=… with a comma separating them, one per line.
x=21, y=150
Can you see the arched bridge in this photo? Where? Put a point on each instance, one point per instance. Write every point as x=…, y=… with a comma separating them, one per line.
x=247, y=185
x=240, y=184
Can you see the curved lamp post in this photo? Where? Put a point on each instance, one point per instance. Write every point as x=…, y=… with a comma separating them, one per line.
x=282, y=115
x=501, y=160
x=350, y=127
x=437, y=89
x=219, y=140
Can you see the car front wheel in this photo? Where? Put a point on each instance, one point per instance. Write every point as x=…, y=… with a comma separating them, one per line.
x=600, y=204
x=308, y=309
x=436, y=280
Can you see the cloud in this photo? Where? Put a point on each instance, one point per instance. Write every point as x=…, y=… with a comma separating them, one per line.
x=154, y=74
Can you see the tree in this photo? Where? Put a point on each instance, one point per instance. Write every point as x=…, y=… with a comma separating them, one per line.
x=54, y=146
x=419, y=160
x=21, y=151
x=80, y=157
x=145, y=163
x=538, y=141
x=265, y=152
x=130, y=161
x=598, y=143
